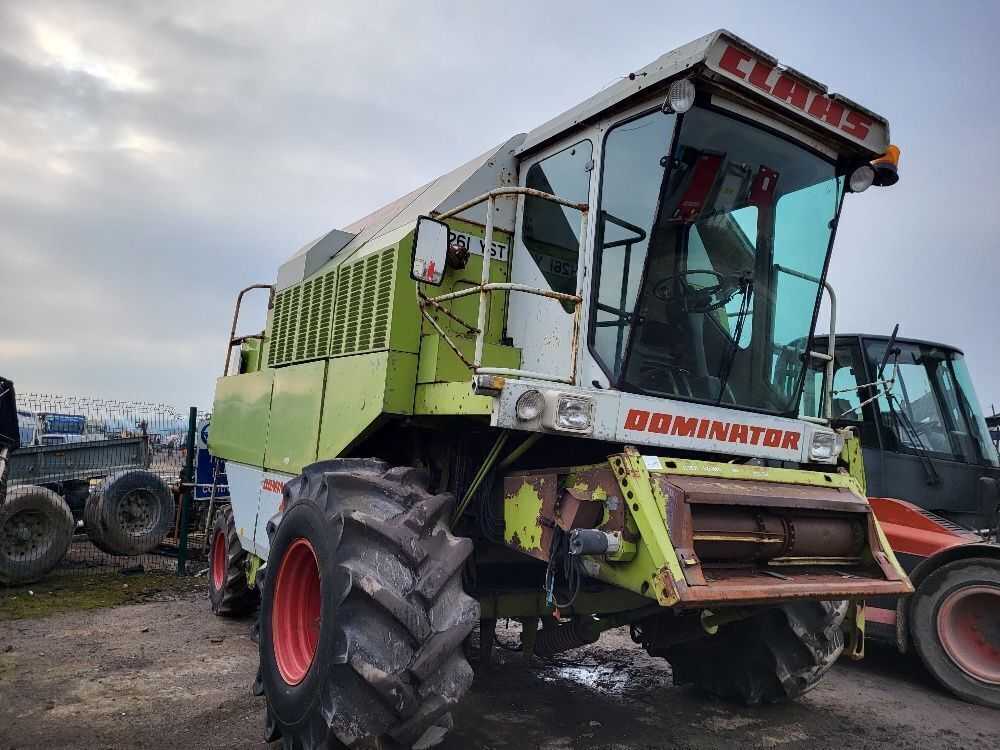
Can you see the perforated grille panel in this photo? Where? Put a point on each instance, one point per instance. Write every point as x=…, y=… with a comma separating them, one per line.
x=364, y=299
x=344, y=311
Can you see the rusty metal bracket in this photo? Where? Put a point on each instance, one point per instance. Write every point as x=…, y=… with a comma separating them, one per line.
x=855, y=622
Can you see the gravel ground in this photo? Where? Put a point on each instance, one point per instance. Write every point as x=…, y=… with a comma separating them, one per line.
x=167, y=674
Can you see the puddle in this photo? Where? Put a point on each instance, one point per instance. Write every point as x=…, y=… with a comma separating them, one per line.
x=607, y=679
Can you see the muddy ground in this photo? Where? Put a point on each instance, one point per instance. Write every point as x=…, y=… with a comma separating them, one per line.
x=165, y=673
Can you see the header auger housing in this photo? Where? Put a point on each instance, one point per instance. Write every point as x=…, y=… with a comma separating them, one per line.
x=558, y=383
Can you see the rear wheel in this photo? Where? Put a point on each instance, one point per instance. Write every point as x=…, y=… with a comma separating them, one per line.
x=228, y=587
x=36, y=528
x=776, y=655
x=363, y=613
x=955, y=625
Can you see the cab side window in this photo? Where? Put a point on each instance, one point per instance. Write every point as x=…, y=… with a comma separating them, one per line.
x=551, y=232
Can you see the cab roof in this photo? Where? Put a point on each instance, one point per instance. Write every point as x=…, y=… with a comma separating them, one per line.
x=725, y=57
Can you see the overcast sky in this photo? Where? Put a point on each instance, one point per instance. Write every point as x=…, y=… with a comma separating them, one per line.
x=157, y=157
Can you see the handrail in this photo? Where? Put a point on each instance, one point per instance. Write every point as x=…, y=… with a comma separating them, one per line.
x=485, y=286
x=831, y=343
x=233, y=338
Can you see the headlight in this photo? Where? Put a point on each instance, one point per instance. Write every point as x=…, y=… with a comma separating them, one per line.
x=574, y=413
x=529, y=405
x=825, y=446
x=861, y=179
x=680, y=96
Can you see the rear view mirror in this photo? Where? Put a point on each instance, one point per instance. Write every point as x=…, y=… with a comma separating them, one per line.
x=430, y=251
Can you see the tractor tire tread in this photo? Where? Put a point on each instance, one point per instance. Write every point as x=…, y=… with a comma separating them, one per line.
x=403, y=612
x=235, y=598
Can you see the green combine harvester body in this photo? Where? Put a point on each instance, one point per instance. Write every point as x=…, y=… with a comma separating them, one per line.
x=589, y=344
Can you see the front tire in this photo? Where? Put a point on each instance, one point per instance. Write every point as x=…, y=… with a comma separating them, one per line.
x=776, y=655
x=955, y=625
x=363, y=613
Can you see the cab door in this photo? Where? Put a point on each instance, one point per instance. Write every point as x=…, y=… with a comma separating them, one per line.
x=547, y=255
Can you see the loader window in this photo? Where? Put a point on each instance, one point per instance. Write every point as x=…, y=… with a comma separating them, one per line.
x=551, y=232
x=932, y=408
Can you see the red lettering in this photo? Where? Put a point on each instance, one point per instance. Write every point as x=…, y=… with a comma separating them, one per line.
x=719, y=431
x=755, y=434
x=272, y=485
x=825, y=108
x=703, y=428
x=684, y=426
x=636, y=419
x=759, y=76
x=772, y=438
x=791, y=441
x=788, y=90
x=738, y=433
x=859, y=125
x=731, y=59
x=660, y=423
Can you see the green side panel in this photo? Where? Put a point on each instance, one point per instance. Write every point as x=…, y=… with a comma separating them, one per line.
x=467, y=308
x=439, y=363
x=239, y=417
x=293, y=430
x=358, y=390
x=451, y=398
x=404, y=328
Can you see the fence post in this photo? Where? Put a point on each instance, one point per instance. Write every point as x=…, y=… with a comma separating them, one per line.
x=187, y=477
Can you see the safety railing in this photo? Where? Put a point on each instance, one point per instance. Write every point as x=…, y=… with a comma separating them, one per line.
x=235, y=340
x=486, y=287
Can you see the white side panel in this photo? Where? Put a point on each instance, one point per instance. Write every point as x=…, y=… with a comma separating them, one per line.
x=271, y=486
x=244, y=492
x=663, y=423
x=256, y=496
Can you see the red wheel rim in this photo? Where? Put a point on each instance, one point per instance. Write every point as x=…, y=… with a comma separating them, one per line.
x=968, y=623
x=296, y=612
x=219, y=560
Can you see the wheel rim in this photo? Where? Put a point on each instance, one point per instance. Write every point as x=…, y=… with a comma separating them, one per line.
x=137, y=513
x=24, y=535
x=968, y=623
x=219, y=560
x=296, y=611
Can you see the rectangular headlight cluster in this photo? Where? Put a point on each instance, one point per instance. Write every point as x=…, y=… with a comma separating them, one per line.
x=825, y=446
x=574, y=413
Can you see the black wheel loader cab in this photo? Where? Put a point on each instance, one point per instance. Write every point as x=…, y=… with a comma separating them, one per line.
x=9, y=437
x=926, y=439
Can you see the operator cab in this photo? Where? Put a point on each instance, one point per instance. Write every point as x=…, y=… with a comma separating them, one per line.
x=714, y=188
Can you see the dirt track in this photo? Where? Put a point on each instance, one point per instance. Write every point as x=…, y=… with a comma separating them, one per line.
x=166, y=674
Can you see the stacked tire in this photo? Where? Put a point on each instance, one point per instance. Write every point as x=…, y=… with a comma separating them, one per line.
x=36, y=529
x=129, y=513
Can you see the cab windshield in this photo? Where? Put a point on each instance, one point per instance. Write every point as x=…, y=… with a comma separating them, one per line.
x=711, y=247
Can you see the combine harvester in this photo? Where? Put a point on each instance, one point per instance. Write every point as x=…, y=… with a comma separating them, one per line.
x=558, y=384
x=923, y=439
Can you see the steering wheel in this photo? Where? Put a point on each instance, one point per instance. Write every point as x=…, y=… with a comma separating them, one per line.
x=695, y=299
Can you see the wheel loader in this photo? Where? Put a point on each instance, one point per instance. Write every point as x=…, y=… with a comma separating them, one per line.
x=923, y=453
x=558, y=384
